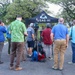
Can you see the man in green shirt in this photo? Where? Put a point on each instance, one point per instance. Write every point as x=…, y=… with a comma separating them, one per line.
x=17, y=30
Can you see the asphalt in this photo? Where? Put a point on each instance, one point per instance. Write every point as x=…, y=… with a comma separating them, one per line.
x=37, y=68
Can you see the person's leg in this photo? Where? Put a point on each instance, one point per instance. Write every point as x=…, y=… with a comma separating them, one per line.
x=30, y=47
x=23, y=55
x=9, y=45
x=49, y=51
x=13, y=53
x=73, y=52
x=56, y=52
x=62, y=52
x=20, y=47
x=46, y=48
x=28, y=50
x=1, y=47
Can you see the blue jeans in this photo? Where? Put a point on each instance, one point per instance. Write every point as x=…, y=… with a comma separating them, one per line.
x=73, y=52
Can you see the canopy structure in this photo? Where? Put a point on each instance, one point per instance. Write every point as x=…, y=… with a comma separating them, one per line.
x=43, y=17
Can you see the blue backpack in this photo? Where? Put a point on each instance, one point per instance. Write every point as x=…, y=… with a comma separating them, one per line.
x=35, y=56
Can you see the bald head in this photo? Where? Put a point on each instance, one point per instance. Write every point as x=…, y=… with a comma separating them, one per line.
x=61, y=20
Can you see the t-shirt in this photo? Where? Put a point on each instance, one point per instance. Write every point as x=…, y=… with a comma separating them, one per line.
x=30, y=31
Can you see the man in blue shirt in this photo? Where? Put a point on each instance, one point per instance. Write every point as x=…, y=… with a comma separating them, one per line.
x=72, y=34
x=60, y=37
x=2, y=38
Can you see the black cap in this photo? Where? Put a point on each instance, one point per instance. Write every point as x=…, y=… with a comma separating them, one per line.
x=48, y=25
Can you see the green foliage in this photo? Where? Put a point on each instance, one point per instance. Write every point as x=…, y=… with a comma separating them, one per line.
x=26, y=8
x=3, y=7
x=68, y=8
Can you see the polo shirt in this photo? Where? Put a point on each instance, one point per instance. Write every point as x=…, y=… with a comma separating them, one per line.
x=17, y=29
x=60, y=31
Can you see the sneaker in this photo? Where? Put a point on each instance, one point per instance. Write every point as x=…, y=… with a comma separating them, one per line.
x=55, y=68
x=60, y=69
x=71, y=63
x=29, y=56
x=50, y=58
x=1, y=62
x=11, y=67
x=18, y=68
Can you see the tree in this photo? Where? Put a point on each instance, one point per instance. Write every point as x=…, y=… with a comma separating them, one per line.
x=68, y=7
x=3, y=7
x=26, y=8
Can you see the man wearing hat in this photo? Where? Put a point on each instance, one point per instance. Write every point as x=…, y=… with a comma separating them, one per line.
x=47, y=39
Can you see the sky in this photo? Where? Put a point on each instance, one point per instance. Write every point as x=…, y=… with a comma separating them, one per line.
x=55, y=9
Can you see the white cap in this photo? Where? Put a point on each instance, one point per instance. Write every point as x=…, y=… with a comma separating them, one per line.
x=31, y=24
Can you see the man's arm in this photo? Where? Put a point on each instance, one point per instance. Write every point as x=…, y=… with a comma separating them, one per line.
x=25, y=30
x=67, y=39
x=33, y=36
x=25, y=33
x=52, y=38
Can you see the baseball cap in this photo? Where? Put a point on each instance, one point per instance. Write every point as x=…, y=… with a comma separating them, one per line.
x=48, y=25
x=31, y=24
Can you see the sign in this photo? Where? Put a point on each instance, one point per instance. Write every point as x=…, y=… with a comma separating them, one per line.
x=43, y=18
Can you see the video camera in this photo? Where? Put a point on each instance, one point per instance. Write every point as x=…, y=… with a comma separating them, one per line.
x=36, y=26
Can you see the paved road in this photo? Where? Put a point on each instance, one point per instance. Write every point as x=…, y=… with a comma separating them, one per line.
x=36, y=68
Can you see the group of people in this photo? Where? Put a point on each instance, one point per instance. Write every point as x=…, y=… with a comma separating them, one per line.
x=58, y=35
